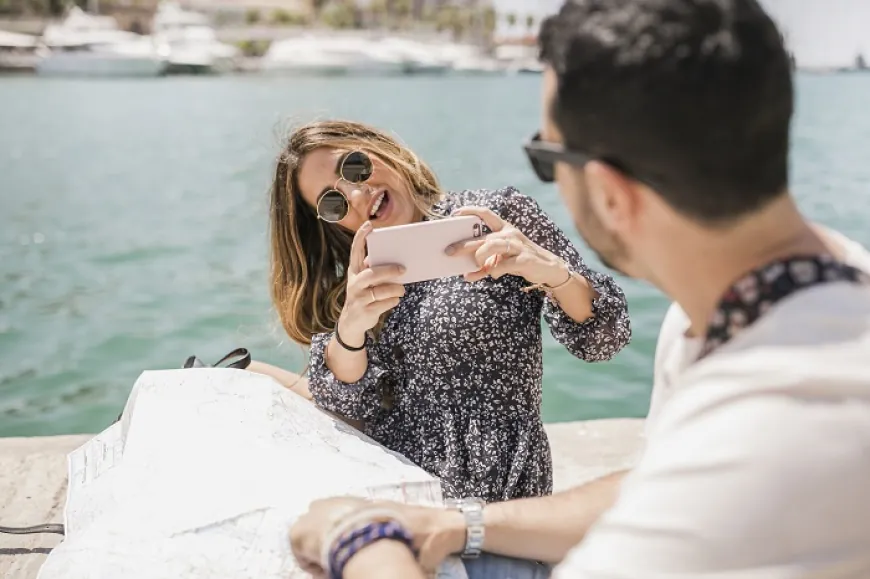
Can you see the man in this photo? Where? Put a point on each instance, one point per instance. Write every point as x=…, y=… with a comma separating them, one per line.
x=668, y=123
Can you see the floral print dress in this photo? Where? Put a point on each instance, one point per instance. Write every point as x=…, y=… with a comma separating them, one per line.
x=454, y=377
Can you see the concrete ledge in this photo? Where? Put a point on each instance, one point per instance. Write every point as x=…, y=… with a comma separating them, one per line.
x=583, y=451
x=33, y=479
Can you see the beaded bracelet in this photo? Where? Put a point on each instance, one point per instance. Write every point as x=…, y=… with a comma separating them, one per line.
x=354, y=541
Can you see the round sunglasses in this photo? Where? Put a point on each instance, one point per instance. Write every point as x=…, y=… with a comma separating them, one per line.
x=354, y=167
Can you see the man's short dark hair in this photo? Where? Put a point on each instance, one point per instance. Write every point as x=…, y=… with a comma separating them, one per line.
x=693, y=97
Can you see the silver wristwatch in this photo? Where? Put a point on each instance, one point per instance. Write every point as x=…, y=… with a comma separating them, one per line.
x=472, y=510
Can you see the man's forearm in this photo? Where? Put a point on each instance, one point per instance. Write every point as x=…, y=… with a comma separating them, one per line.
x=546, y=528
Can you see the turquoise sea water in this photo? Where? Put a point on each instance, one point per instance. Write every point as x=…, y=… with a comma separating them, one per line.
x=133, y=227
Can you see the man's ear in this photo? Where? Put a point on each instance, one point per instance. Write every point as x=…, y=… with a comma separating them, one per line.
x=612, y=196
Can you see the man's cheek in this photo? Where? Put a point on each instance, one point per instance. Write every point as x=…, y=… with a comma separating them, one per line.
x=570, y=190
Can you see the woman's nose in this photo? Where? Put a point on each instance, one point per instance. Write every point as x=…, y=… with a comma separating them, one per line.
x=357, y=194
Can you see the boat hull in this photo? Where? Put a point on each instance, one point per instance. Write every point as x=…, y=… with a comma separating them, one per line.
x=193, y=66
x=100, y=65
x=18, y=63
x=337, y=69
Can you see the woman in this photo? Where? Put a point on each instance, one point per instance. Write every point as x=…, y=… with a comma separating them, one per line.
x=446, y=372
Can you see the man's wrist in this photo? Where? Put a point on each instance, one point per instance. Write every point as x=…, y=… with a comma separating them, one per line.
x=452, y=531
x=372, y=559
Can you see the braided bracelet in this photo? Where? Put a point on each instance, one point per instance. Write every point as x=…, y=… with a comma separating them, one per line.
x=357, y=539
x=351, y=519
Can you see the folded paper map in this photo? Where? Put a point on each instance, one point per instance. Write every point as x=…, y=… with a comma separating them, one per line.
x=205, y=474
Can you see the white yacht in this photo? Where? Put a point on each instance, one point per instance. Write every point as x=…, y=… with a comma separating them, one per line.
x=478, y=66
x=417, y=57
x=325, y=56
x=467, y=59
x=17, y=52
x=88, y=45
x=519, y=58
x=193, y=44
x=525, y=66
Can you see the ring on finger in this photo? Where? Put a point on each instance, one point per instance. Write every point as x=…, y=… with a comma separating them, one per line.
x=374, y=297
x=507, y=249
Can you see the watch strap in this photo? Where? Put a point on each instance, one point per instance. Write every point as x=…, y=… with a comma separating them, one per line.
x=472, y=511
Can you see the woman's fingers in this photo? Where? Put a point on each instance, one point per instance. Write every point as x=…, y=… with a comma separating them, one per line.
x=494, y=247
x=383, y=306
x=495, y=270
x=377, y=275
x=506, y=242
x=501, y=247
x=385, y=291
x=358, y=249
x=493, y=221
x=389, y=290
x=464, y=247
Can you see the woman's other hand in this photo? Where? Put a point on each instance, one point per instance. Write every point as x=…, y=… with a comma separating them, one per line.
x=370, y=291
x=508, y=251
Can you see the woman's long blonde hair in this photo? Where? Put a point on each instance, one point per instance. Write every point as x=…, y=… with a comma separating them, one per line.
x=310, y=256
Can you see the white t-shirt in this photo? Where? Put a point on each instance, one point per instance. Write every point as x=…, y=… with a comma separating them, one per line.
x=759, y=464
x=675, y=351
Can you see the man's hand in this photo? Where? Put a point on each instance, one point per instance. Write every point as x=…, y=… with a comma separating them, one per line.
x=437, y=532
x=310, y=531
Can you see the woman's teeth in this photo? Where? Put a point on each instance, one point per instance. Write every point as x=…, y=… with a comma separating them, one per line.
x=377, y=204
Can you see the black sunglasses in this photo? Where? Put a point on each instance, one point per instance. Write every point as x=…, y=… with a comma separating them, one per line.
x=543, y=157
x=354, y=167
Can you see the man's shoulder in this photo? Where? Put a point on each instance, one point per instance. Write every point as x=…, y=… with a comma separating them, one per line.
x=812, y=350
x=852, y=252
x=831, y=319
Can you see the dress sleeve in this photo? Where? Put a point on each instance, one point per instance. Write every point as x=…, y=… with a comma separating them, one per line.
x=359, y=400
x=609, y=329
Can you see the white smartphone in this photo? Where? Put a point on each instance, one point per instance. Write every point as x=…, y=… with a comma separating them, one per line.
x=419, y=247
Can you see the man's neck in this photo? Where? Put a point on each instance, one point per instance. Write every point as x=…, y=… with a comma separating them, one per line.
x=713, y=261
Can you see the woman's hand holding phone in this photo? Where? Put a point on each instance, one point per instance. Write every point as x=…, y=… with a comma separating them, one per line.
x=507, y=251
x=370, y=292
